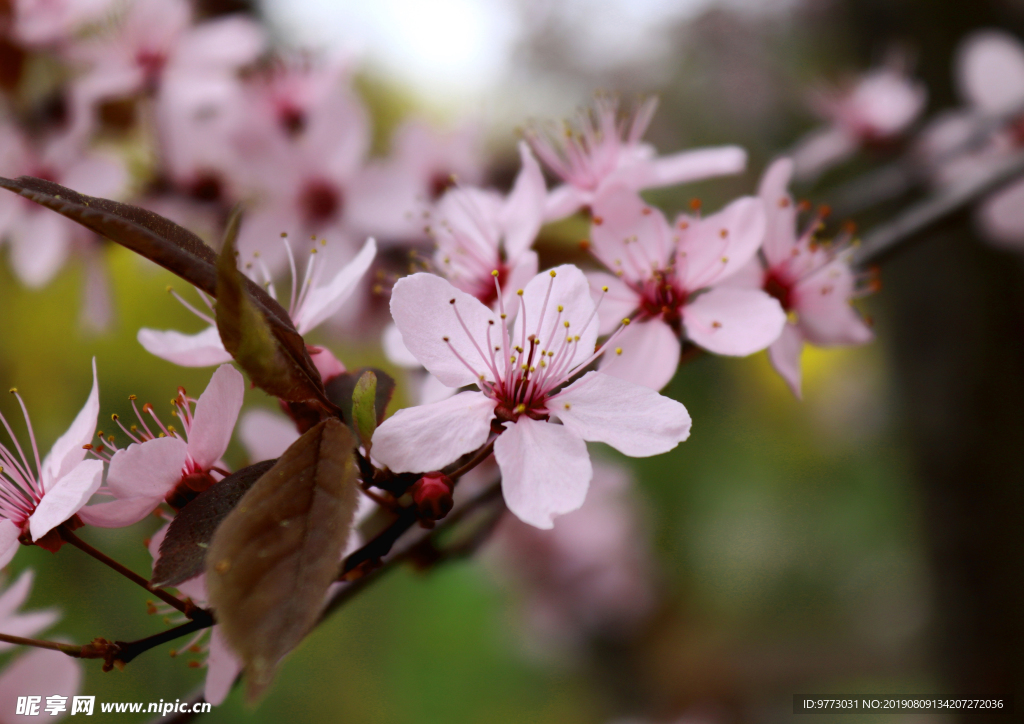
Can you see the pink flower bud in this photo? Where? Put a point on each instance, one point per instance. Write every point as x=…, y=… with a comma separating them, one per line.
x=433, y=495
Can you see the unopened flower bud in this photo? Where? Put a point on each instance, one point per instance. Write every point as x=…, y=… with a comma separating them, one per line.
x=433, y=495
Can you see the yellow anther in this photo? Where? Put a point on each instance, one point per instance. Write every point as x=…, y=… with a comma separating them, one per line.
x=494, y=273
x=725, y=260
x=566, y=323
x=568, y=406
x=284, y=234
x=561, y=308
x=604, y=289
x=114, y=417
x=618, y=350
x=723, y=233
x=520, y=408
x=161, y=435
x=132, y=397
x=169, y=289
x=520, y=292
x=170, y=428
x=13, y=390
x=552, y=273
x=625, y=321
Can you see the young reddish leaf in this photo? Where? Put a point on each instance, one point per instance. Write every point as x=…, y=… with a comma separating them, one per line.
x=364, y=414
x=276, y=554
x=341, y=389
x=148, y=234
x=183, y=550
x=276, y=360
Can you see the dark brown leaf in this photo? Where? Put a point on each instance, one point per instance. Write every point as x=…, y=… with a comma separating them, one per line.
x=276, y=360
x=183, y=550
x=276, y=554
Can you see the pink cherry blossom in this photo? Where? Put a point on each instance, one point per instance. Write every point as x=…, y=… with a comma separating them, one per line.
x=878, y=107
x=592, y=575
x=670, y=277
x=50, y=22
x=520, y=374
x=813, y=282
x=602, y=150
x=37, y=496
x=312, y=300
x=37, y=672
x=170, y=464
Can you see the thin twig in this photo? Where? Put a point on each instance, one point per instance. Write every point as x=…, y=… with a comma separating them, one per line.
x=69, y=649
x=130, y=649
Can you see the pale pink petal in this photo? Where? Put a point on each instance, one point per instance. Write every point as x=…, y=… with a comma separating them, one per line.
x=28, y=624
x=395, y=349
x=565, y=200
x=784, y=354
x=990, y=71
x=150, y=469
x=120, y=513
x=428, y=437
x=9, y=533
x=683, y=167
x=97, y=313
x=67, y=452
x=40, y=247
x=15, y=595
x=721, y=244
x=635, y=420
x=735, y=322
x=223, y=668
x=523, y=270
x=1001, y=217
x=215, y=415
x=545, y=470
x=421, y=307
x=266, y=435
x=221, y=44
x=431, y=390
x=39, y=673
x=821, y=150
x=649, y=357
x=824, y=312
x=323, y=301
x=188, y=350
x=96, y=175
x=66, y=497
x=618, y=303
x=523, y=212
x=780, y=234
x=629, y=235
x=567, y=287
x=325, y=362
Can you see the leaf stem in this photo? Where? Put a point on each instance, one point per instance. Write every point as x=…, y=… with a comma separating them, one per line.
x=69, y=537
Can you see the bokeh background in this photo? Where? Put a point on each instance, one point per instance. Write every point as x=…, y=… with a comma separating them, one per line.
x=867, y=539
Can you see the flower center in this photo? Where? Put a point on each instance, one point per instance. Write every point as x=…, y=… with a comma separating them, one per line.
x=661, y=296
x=321, y=201
x=778, y=288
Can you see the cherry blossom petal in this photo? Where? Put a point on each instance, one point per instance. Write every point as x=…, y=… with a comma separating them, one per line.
x=68, y=452
x=682, y=167
x=1001, y=216
x=28, y=624
x=784, y=354
x=618, y=303
x=323, y=301
x=628, y=234
x=220, y=44
x=633, y=419
x=40, y=247
x=825, y=314
x=41, y=673
x=523, y=270
x=720, y=245
x=421, y=307
x=9, y=533
x=780, y=234
x=545, y=470
x=188, y=350
x=395, y=349
x=325, y=362
x=990, y=71
x=539, y=316
x=150, y=469
x=734, y=322
x=223, y=668
x=523, y=212
x=266, y=435
x=215, y=415
x=821, y=150
x=119, y=513
x=66, y=497
x=15, y=595
x=428, y=437
x=565, y=200
x=650, y=354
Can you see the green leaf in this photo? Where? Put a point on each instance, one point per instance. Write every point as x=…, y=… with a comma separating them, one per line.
x=364, y=402
x=341, y=389
x=183, y=550
x=276, y=554
x=275, y=359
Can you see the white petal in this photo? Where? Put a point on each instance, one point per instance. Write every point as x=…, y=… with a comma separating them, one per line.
x=266, y=435
x=784, y=354
x=66, y=497
x=9, y=543
x=223, y=668
x=188, y=350
x=523, y=212
x=428, y=437
x=719, y=245
x=67, y=452
x=635, y=420
x=324, y=301
x=735, y=322
x=421, y=307
x=650, y=354
x=215, y=416
x=990, y=71
x=545, y=470
x=683, y=167
x=148, y=469
x=539, y=314
x=119, y=513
